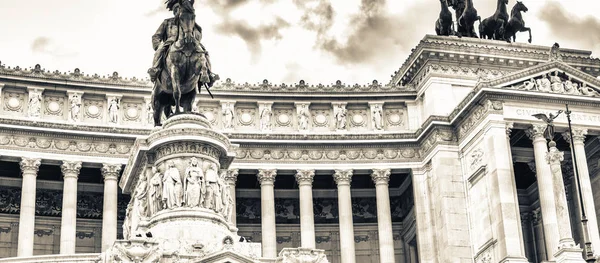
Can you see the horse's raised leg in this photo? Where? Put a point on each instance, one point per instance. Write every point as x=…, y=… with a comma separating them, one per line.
x=528, y=29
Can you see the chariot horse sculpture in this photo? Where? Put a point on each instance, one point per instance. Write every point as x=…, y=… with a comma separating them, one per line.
x=493, y=26
x=186, y=64
x=444, y=25
x=466, y=16
x=516, y=23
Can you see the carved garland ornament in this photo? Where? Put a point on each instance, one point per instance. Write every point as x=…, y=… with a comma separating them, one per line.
x=187, y=147
x=43, y=143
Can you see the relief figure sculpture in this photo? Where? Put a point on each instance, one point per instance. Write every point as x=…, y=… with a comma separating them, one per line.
x=172, y=188
x=113, y=111
x=75, y=108
x=227, y=202
x=377, y=117
x=340, y=117
x=228, y=116
x=154, y=195
x=303, y=116
x=212, y=186
x=35, y=104
x=194, y=189
x=265, y=118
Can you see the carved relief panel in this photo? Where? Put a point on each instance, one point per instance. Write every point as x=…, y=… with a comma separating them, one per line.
x=132, y=112
x=358, y=117
x=283, y=117
x=55, y=106
x=93, y=109
x=321, y=117
x=14, y=102
x=246, y=116
x=210, y=111
x=395, y=117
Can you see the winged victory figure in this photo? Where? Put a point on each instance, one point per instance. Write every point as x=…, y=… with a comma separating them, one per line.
x=549, y=120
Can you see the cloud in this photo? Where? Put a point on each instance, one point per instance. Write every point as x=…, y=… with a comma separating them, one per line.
x=318, y=15
x=375, y=33
x=571, y=27
x=45, y=45
x=253, y=35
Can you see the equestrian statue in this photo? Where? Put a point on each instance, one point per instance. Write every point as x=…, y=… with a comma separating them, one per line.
x=466, y=16
x=444, y=25
x=493, y=27
x=181, y=63
x=516, y=23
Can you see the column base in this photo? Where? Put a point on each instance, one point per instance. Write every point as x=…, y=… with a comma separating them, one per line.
x=514, y=260
x=569, y=255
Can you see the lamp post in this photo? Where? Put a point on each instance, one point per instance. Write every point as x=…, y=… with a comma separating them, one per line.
x=587, y=248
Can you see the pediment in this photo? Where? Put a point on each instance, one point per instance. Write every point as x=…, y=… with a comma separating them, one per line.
x=553, y=77
x=226, y=256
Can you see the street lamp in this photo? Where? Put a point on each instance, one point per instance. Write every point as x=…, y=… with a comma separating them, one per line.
x=588, y=251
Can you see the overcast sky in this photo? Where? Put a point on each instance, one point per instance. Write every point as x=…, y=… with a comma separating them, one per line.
x=319, y=41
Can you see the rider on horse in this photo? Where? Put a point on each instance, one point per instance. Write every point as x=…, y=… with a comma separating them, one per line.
x=166, y=35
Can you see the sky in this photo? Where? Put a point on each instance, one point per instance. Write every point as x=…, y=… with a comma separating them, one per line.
x=283, y=41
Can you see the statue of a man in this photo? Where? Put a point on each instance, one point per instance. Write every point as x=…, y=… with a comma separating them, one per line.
x=340, y=117
x=154, y=200
x=172, y=188
x=166, y=35
x=212, y=186
x=75, y=101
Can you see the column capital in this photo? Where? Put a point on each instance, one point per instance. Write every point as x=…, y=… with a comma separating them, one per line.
x=230, y=176
x=266, y=176
x=554, y=155
x=30, y=165
x=70, y=169
x=578, y=135
x=305, y=177
x=536, y=131
x=381, y=176
x=343, y=177
x=111, y=171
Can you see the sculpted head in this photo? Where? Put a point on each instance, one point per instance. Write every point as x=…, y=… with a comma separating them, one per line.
x=170, y=164
x=194, y=161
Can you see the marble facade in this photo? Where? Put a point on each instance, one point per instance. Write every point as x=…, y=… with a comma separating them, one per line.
x=442, y=164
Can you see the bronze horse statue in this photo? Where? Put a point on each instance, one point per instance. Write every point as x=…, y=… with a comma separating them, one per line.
x=444, y=25
x=516, y=23
x=493, y=26
x=186, y=66
x=466, y=15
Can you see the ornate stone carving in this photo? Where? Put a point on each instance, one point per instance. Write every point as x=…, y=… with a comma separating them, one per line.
x=246, y=116
x=305, y=177
x=476, y=158
x=93, y=108
x=111, y=171
x=363, y=238
x=83, y=235
x=187, y=147
x=54, y=105
x=555, y=54
x=283, y=117
x=304, y=255
x=266, y=176
x=13, y=101
x=342, y=177
x=578, y=134
x=155, y=203
x=35, y=103
x=340, y=113
x=30, y=165
x=114, y=105
x=556, y=83
x=43, y=232
x=377, y=115
x=358, y=118
x=132, y=111
x=303, y=114
x=194, y=185
x=536, y=131
x=230, y=176
x=135, y=250
x=509, y=127
x=395, y=117
x=70, y=168
x=172, y=187
x=320, y=118
x=381, y=176
x=478, y=114
x=265, y=115
x=228, y=112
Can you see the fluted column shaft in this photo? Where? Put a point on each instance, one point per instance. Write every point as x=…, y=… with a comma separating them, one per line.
x=343, y=179
x=29, y=167
x=267, y=212
x=307, y=216
x=381, y=177
x=110, y=172
x=68, y=225
x=231, y=179
x=586, y=186
x=545, y=189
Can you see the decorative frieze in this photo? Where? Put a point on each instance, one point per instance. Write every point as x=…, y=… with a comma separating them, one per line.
x=558, y=83
x=478, y=114
x=246, y=116
x=334, y=155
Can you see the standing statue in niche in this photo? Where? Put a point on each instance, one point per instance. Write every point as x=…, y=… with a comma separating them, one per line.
x=172, y=188
x=140, y=196
x=227, y=200
x=219, y=193
x=181, y=63
x=113, y=110
x=303, y=117
x=228, y=115
x=35, y=104
x=549, y=120
x=340, y=117
x=75, y=102
x=212, y=186
x=376, y=112
x=194, y=188
x=265, y=118
x=154, y=195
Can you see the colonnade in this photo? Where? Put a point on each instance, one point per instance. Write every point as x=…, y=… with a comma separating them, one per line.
x=70, y=171
x=343, y=178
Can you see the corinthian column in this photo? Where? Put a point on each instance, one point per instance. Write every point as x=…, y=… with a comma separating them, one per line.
x=266, y=177
x=29, y=167
x=586, y=186
x=230, y=179
x=567, y=251
x=68, y=223
x=307, y=216
x=343, y=179
x=545, y=189
x=381, y=177
x=110, y=172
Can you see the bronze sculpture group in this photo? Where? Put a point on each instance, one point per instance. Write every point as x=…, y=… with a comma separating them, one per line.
x=499, y=26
